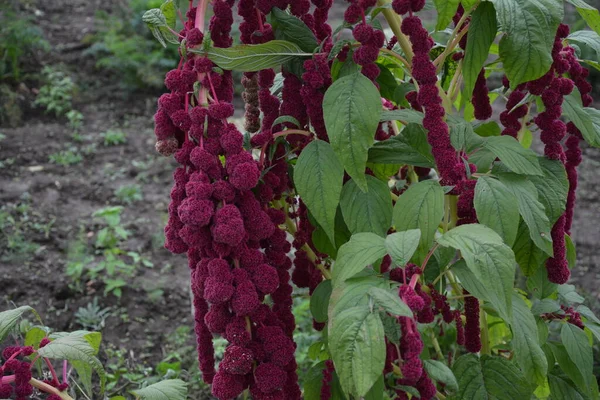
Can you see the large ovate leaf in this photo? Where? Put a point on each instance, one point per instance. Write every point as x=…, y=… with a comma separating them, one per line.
x=353, y=292
x=390, y=302
x=552, y=188
x=319, y=177
x=517, y=158
x=292, y=29
x=420, y=207
x=528, y=255
x=406, y=116
x=529, y=27
x=438, y=371
x=589, y=38
x=409, y=147
x=579, y=350
x=351, y=110
x=362, y=249
x=488, y=378
x=528, y=352
x=495, y=207
x=589, y=13
x=531, y=209
x=490, y=260
x=254, y=57
x=319, y=301
x=482, y=31
x=445, y=11
x=9, y=318
x=357, y=345
x=75, y=348
x=584, y=118
x=586, y=384
x=539, y=285
x=562, y=387
x=367, y=211
x=169, y=389
x=402, y=245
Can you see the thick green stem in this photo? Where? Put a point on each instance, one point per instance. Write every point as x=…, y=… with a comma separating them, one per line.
x=395, y=23
x=485, y=336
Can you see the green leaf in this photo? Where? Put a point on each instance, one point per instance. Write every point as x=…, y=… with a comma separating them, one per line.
x=469, y=281
x=406, y=116
x=390, y=302
x=292, y=29
x=552, y=188
x=319, y=301
x=34, y=336
x=589, y=38
x=370, y=211
x=313, y=381
x=529, y=257
x=409, y=147
x=529, y=27
x=159, y=20
x=579, y=350
x=495, y=207
x=445, y=10
x=351, y=110
x=482, y=31
x=362, y=249
x=489, y=378
x=489, y=259
x=318, y=176
x=170, y=13
x=357, y=345
x=377, y=390
x=583, y=118
x=539, y=285
x=9, y=319
x=353, y=292
x=563, y=388
x=169, y=389
x=420, y=207
x=75, y=348
x=571, y=251
x=589, y=13
x=487, y=129
x=587, y=385
x=528, y=352
x=517, y=158
x=402, y=245
x=531, y=209
x=438, y=371
x=254, y=57
x=462, y=135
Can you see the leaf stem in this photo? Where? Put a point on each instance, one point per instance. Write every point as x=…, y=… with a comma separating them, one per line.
x=453, y=40
x=436, y=346
x=292, y=132
x=49, y=389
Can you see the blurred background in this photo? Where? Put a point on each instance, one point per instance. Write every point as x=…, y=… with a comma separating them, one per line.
x=83, y=195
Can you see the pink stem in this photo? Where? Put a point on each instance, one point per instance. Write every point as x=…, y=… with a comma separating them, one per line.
x=52, y=371
x=200, y=15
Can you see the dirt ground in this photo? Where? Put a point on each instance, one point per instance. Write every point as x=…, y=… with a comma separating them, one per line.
x=69, y=196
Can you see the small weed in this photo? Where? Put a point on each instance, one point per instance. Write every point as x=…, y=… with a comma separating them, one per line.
x=66, y=157
x=114, y=137
x=92, y=316
x=56, y=95
x=75, y=119
x=108, y=262
x=16, y=223
x=129, y=194
x=7, y=162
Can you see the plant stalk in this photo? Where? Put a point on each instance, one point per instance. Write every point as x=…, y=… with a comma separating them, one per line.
x=395, y=23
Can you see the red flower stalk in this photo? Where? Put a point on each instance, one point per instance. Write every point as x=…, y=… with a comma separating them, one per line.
x=472, y=330
x=481, y=98
x=327, y=378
